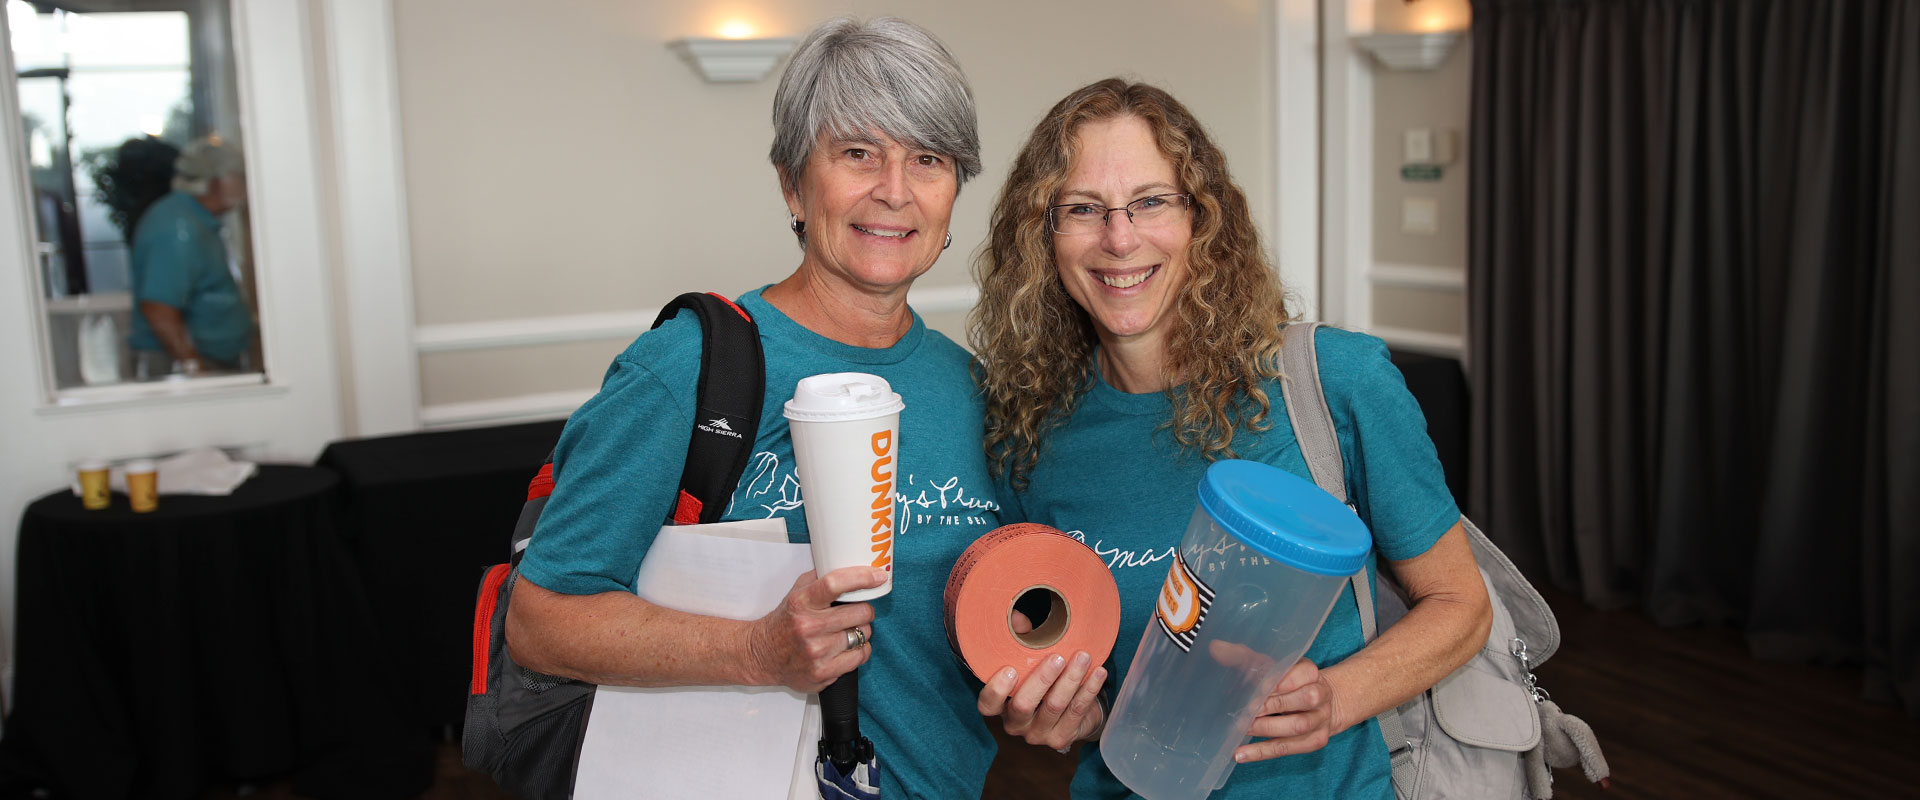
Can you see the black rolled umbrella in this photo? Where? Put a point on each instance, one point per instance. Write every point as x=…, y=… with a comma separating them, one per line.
x=846, y=768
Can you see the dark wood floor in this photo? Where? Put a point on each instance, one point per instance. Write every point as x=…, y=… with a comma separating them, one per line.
x=1680, y=713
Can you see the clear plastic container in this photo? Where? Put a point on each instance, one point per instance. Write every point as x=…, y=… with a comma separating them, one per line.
x=1265, y=555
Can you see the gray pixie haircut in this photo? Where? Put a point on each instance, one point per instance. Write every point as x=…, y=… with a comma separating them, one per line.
x=848, y=78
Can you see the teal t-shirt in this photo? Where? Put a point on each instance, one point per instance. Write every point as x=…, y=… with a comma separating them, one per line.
x=1112, y=477
x=180, y=260
x=617, y=468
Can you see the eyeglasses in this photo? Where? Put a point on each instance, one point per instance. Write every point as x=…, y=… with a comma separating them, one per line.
x=1077, y=219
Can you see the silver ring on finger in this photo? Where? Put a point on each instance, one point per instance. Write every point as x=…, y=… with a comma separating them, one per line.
x=855, y=638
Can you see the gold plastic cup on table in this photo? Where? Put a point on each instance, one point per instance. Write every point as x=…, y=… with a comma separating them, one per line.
x=846, y=448
x=143, y=486
x=94, y=491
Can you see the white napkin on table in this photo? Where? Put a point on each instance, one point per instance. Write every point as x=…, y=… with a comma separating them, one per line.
x=204, y=470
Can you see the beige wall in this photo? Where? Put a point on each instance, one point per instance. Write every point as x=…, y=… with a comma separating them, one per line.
x=561, y=160
x=1420, y=309
x=1440, y=99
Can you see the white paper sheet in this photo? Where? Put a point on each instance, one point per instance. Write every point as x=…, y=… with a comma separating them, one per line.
x=749, y=743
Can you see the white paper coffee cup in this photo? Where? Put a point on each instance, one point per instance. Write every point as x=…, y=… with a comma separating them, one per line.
x=846, y=447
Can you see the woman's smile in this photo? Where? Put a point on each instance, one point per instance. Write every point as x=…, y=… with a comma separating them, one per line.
x=884, y=232
x=1124, y=279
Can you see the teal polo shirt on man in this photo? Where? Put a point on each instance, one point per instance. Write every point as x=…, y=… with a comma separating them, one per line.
x=179, y=260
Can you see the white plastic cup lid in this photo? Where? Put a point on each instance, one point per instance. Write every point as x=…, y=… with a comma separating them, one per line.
x=140, y=466
x=842, y=396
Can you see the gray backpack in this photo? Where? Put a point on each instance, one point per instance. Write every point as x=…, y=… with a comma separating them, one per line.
x=1487, y=731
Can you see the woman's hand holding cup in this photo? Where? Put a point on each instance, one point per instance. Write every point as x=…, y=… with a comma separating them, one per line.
x=808, y=641
x=1296, y=717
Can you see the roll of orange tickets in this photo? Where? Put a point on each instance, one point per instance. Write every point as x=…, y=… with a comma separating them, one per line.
x=1008, y=563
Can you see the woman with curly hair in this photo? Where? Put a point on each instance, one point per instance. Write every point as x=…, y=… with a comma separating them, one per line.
x=1128, y=333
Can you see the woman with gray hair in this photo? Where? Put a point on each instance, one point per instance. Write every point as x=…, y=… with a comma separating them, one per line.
x=874, y=134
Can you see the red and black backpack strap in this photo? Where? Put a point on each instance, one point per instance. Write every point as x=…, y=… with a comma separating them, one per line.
x=733, y=382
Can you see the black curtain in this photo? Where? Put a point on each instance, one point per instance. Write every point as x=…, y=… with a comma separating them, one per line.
x=1695, y=312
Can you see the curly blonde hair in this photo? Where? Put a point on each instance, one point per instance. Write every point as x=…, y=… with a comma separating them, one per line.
x=1035, y=344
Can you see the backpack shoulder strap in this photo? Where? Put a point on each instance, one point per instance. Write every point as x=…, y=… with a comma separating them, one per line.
x=537, y=491
x=1312, y=420
x=1307, y=408
x=733, y=382
x=1306, y=402
x=733, y=378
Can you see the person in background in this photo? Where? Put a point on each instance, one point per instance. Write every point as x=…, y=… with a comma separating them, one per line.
x=141, y=173
x=1128, y=331
x=190, y=315
x=874, y=133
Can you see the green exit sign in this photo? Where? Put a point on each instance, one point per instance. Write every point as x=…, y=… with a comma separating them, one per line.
x=1420, y=173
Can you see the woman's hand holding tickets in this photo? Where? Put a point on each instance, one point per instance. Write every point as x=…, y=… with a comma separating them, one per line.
x=1058, y=703
x=807, y=642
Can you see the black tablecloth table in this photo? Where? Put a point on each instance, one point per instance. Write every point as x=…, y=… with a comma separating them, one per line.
x=217, y=639
x=428, y=513
x=1441, y=389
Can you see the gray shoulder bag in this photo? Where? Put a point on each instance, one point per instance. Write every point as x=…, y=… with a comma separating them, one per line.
x=1487, y=731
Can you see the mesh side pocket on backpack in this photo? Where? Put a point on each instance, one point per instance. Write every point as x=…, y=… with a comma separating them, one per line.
x=539, y=682
x=538, y=758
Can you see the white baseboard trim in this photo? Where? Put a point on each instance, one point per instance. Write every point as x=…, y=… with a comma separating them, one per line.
x=1439, y=344
x=599, y=326
x=1419, y=276
x=505, y=410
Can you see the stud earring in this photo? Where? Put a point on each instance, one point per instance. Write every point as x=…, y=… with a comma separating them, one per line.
x=798, y=225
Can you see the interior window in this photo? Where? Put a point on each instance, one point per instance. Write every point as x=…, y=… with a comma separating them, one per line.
x=133, y=142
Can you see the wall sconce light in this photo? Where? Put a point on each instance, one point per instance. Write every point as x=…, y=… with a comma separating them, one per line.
x=732, y=60
x=1409, y=51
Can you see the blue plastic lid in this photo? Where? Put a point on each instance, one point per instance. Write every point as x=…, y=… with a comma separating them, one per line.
x=1285, y=517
